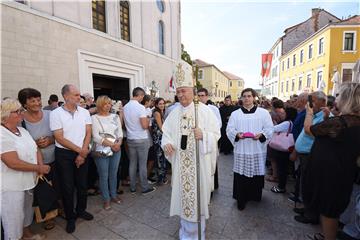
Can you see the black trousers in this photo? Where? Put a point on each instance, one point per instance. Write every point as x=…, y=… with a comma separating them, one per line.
x=282, y=163
x=93, y=175
x=71, y=177
x=123, y=172
x=304, y=160
x=216, y=178
x=297, y=182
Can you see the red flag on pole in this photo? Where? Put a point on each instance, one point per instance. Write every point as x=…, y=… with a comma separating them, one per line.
x=266, y=60
x=171, y=85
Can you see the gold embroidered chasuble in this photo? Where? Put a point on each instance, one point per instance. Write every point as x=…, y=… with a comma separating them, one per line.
x=180, y=123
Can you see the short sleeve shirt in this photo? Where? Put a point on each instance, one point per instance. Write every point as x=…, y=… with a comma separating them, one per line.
x=304, y=142
x=42, y=129
x=133, y=111
x=73, y=124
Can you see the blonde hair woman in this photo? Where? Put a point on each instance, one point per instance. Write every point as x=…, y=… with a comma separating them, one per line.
x=20, y=161
x=332, y=166
x=107, y=135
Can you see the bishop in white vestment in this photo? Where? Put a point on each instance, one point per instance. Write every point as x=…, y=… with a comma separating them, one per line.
x=178, y=143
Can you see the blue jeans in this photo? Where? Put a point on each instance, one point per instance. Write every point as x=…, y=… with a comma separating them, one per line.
x=138, y=154
x=107, y=168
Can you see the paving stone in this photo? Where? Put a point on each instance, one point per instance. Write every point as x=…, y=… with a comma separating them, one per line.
x=147, y=217
x=57, y=232
x=217, y=224
x=94, y=230
x=214, y=236
x=128, y=228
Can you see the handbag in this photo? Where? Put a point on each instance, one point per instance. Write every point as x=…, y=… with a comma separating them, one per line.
x=100, y=150
x=49, y=215
x=45, y=200
x=283, y=141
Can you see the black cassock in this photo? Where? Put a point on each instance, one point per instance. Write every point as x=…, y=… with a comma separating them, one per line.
x=225, y=145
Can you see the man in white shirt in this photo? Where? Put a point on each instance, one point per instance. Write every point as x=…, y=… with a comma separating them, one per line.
x=203, y=95
x=137, y=123
x=71, y=125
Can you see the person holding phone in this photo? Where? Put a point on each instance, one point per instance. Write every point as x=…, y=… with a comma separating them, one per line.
x=303, y=146
x=333, y=160
x=248, y=129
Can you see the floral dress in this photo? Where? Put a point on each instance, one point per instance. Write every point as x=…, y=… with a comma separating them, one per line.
x=160, y=156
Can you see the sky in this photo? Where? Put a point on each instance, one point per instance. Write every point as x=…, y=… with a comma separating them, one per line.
x=233, y=34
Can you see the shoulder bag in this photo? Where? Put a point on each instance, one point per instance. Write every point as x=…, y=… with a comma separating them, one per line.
x=283, y=141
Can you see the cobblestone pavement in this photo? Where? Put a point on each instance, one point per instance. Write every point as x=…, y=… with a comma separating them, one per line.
x=147, y=217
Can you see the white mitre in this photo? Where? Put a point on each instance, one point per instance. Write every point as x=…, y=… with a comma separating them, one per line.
x=183, y=75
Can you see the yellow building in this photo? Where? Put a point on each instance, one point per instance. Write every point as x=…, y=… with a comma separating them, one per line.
x=213, y=79
x=236, y=85
x=311, y=65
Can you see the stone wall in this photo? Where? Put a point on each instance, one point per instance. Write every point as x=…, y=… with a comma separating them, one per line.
x=42, y=52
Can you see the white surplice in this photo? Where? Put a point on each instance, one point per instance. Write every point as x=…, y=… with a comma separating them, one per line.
x=249, y=154
x=180, y=122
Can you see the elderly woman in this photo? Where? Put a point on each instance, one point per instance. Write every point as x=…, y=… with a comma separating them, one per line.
x=107, y=135
x=36, y=122
x=334, y=160
x=20, y=161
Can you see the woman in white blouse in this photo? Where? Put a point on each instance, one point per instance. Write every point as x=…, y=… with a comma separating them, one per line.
x=107, y=135
x=282, y=158
x=20, y=161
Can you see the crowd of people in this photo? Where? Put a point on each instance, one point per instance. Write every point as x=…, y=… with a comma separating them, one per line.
x=90, y=148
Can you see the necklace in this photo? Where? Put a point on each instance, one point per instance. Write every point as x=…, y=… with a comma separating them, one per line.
x=16, y=133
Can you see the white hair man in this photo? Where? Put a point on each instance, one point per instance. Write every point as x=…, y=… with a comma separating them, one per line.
x=178, y=143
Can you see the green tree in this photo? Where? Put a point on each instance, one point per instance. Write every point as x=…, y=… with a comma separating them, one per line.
x=185, y=55
x=187, y=58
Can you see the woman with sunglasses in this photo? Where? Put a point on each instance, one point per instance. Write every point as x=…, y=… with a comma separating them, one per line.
x=20, y=161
